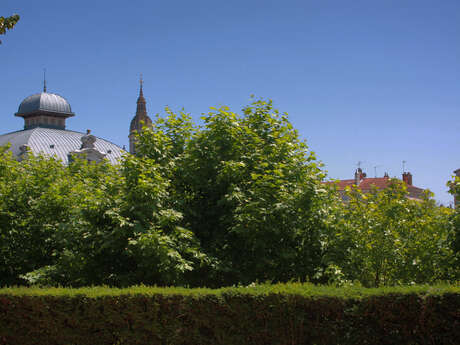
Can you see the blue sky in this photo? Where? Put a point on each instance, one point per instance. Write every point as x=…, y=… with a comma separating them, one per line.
x=376, y=81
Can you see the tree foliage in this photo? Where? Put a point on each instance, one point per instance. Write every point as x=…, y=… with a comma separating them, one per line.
x=235, y=200
x=248, y=188
x=7, y=23
x=89, y=224
x=385, y=238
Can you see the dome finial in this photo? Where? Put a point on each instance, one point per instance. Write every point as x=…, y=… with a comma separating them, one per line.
x=44, y=80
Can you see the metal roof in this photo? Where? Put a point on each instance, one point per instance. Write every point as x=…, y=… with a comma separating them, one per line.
x=56, y=142
x=48, y=102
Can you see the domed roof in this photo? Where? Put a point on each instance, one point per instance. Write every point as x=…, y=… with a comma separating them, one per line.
x=45, y=102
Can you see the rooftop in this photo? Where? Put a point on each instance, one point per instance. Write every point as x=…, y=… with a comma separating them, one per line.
x=57, y=143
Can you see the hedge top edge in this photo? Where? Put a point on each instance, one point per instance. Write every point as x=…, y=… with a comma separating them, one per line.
x=301, y=289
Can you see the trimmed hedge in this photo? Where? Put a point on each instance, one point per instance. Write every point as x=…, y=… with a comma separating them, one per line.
x=267, y=314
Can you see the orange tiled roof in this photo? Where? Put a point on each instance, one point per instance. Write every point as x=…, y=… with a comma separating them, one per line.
x=378, y=182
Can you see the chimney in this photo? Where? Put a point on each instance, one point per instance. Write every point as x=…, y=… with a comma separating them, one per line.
x=407, y=178
x=359, y=176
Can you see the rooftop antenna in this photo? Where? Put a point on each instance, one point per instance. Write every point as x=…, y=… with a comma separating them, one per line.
x=44, y=80
x=375, y=170
x=404, y=166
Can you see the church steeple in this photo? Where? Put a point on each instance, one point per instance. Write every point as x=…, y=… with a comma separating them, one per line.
x=141, y=118
x=141, y=110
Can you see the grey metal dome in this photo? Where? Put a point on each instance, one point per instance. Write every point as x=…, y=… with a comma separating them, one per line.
x=45, y=102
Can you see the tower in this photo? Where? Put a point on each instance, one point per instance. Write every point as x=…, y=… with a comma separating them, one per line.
x=140, y=120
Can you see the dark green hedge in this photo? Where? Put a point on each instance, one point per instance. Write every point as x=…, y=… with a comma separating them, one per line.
x=232, y=316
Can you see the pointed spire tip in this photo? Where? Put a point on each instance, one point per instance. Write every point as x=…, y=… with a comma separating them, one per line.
x=141, y=82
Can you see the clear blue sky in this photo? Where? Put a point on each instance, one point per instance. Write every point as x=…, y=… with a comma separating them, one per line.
x=376, y=81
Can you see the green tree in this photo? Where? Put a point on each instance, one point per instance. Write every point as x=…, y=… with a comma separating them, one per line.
x=7, y=23
x=236, y=200
x=385, y=238
x=121, y=231
x=248, y=188
x=34, y=202
x=89, y=224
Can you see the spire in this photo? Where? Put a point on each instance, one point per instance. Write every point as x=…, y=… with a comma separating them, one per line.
x=141, y=82
x=44, y=80
x=141, y=110
x=140, y=119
